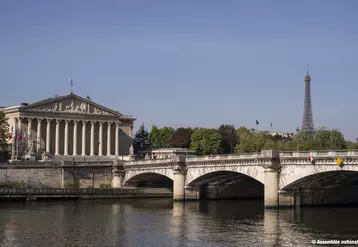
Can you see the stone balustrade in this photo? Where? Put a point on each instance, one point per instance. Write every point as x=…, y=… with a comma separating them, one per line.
x=148, y=162
x=248, y=156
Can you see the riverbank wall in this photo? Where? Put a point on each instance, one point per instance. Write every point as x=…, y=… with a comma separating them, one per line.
x=94, y=174
x=10, y=194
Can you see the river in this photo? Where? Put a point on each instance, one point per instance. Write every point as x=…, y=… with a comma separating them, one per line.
x=160, y=222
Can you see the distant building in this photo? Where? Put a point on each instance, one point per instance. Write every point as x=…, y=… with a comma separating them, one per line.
x=284, y=135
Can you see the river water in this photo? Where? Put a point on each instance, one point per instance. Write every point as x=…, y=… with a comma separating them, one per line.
x=160, y=222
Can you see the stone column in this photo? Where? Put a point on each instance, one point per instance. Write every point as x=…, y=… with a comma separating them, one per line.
x=13, y=140
x=109, y=138
x=118, y=175
x=38, y=138
x=48, y=133
x=92, y=138
x=57, y=138
x=20, y=126
x=179, y=172
x=100, y=139
x=117, y=139
x=66, y=137
x=29, y=129
x=131, y=148
x=75, y=122
x=84, y=138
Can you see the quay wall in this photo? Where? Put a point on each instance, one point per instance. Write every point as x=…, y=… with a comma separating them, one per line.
x=70, y=193
x=49, y=175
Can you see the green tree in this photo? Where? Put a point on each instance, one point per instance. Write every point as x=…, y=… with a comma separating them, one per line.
x=337, y=140
x=206, y=141
x=229, y=138
x=4, y=128
x=245, y=140
x=352, y=145
x=182, y=138
x=141, y=140
x=154, y=137
x=161, y=138
x=166, y=136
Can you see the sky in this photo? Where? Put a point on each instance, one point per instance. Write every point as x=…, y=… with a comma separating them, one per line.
x=187, y=63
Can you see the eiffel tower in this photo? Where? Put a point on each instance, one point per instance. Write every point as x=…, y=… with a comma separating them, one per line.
x=307, y=121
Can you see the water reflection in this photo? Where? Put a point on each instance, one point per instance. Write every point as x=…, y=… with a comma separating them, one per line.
x=161, y=222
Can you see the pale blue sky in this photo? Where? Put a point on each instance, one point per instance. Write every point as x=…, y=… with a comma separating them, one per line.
x=187, y=63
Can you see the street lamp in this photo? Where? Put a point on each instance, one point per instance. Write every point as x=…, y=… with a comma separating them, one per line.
x=297, y=130
x=141, y=149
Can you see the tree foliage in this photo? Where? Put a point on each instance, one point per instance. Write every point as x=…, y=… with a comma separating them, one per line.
x=161, y=138
x=206, y=141
x=229, y=138
x=321, y=139
x=4, y=128
x=141, y=139
x=182, y=138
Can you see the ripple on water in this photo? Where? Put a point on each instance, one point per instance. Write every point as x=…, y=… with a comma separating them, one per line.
x=142, y=224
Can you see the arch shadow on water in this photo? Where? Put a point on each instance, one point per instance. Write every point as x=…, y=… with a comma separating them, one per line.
x=332, y=188
x=226, y=185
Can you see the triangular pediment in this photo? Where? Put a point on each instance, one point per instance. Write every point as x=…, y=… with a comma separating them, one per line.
x=70, y=104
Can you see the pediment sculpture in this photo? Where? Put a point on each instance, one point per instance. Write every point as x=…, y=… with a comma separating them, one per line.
x=73, y=106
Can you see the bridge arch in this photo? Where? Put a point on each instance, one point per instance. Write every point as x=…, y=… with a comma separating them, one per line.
x=325, y=180
x=332, y=187
x=226, y=184
x=255, y=172
x=132, y=173
x=149, y=179
x=140, y=178
x=292, y=174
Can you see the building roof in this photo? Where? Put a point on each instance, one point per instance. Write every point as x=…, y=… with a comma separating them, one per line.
x=71, y=96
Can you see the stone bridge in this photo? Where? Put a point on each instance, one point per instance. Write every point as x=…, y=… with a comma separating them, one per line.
x=281, y=178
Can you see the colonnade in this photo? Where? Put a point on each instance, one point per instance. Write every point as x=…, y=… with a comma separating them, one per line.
x=18, y=122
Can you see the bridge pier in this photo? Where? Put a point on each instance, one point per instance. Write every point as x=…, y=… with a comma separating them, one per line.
x=289, y=199
x=179, y=173
x=118, y=175
x=272, y=169
x=179, y=185
x=271, y=188
x=117, y=180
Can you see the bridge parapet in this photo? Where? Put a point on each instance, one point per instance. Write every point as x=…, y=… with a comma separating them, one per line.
x=224, y=157
x=319, y=153
x=266, y=158
x=149, y=162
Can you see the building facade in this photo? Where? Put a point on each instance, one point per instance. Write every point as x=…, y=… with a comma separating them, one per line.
x=69, y=126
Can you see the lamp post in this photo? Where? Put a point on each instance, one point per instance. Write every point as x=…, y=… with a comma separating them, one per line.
x=141, y=150
x=297, y=131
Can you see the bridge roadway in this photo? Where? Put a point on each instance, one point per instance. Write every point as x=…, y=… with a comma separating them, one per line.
x=281, y=178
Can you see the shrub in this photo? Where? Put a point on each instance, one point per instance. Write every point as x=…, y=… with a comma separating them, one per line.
x=105, y=186
x=69, y=185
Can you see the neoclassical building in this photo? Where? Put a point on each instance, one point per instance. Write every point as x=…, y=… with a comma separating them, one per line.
x=70, y=126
